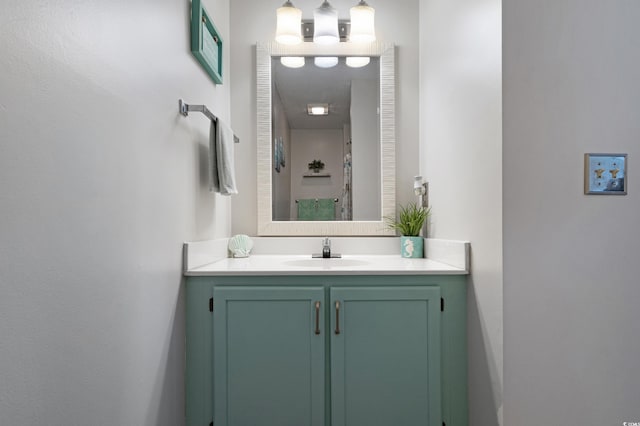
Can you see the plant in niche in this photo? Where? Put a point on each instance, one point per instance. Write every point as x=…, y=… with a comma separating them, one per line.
x=409, y=220
x=316, y=165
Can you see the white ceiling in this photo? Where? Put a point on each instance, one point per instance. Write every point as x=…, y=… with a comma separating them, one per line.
x=298, y=87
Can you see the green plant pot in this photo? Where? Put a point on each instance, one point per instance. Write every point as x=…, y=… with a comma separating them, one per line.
x=412, y=247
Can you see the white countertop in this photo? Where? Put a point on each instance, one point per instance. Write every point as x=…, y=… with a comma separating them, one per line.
x=305, y=265
x=444, y=257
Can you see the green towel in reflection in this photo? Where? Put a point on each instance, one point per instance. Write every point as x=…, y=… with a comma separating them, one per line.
x=316, y=209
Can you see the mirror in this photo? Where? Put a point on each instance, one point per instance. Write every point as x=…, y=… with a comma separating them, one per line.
x=343, y=138
x=360, y=127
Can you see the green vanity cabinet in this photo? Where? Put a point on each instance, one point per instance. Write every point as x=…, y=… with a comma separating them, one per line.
x=268, y=356
x=326, y=350
x=385, y=359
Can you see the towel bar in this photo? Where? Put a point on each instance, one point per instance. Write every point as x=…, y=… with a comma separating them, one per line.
x=335, y=200
x=184, y=109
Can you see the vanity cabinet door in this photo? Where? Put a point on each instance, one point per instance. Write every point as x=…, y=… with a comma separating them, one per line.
x=385, y=356
x=269, y=356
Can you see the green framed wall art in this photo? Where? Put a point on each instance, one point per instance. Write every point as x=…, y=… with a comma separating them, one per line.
x=206, y=43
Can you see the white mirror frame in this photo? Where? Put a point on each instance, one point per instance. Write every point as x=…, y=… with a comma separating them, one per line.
x=266, y=225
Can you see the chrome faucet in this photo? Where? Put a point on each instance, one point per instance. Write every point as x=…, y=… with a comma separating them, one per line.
x=326, y=248
x=326, y=251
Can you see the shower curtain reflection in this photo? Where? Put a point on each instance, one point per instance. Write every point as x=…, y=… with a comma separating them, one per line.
x=346, y=211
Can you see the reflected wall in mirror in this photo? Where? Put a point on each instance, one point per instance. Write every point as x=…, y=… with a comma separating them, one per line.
x=355, y=189
x=343, y=134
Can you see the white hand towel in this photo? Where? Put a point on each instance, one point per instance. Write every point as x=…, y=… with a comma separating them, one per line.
x=214, y=181
x=224, y=156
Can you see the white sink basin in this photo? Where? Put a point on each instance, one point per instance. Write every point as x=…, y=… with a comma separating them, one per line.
x=326, y=263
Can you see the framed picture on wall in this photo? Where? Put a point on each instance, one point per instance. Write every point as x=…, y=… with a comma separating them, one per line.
x=605, y=174
x=206, y=43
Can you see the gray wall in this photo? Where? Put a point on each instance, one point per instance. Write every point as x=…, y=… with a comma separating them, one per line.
x=571, y=287
x=460, y=153
x=308, y=145
x=100, y=182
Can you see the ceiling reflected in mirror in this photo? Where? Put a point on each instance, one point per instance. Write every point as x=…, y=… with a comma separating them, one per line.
x=309, y=84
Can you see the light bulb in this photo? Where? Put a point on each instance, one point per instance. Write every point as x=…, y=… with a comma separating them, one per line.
x=325, y=61
x=292, y=61
x=357, y=61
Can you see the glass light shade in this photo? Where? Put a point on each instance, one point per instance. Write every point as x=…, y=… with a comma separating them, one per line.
x=362, y=23
x=357, y=61
x=292, y=61
x=325, y=61
x=325, y=24
x=289, y=24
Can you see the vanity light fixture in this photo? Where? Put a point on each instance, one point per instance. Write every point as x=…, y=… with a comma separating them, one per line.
x=325, y=28
x=292, y=61
x=325, y=61
x=357, y=61
x=362, y=23
x=288, y=24
x=325, y=24
x=318, y=109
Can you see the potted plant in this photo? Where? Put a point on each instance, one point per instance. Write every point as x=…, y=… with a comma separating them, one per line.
x=409, y=223
x=316, y=166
